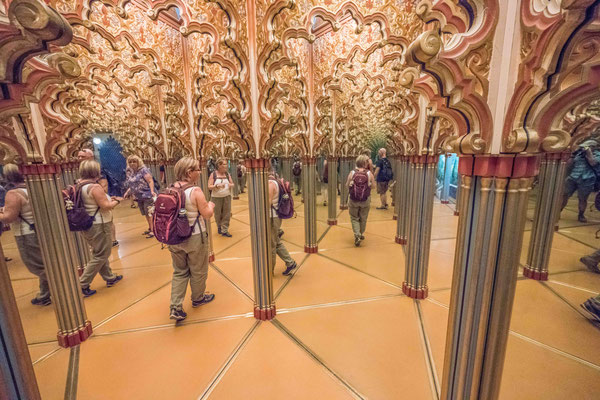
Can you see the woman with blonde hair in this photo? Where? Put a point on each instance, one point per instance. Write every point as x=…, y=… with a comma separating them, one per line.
x=17, y=211
x=99, y=205
x=190, y=258
x=141, y=186
x=220, y=185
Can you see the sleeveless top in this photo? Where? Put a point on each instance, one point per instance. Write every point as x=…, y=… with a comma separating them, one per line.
x=192, y=212
x=224, y=191
x=275, y=201
x=138, y=184
x=102, y=216
x=20, y=227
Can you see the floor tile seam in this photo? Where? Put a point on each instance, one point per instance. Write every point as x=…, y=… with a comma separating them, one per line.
x=222, y=371
x=24, y=279
x=240, y=221
x=592, y=292
x=536, y=342
x=290, y=277
x=429, y=360
x=361, y=271
x=315, y=357
x=338, y=303
x=141, y=267
x=562, y=298
x=49, y=354
x=174, y=325
x=228, y=279
x=231, y=245
x=576, y=240
x=111, y=317
x=370, y=233
x=72, y=374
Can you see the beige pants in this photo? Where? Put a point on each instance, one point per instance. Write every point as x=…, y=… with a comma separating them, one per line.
x=99, y=237
x=222, y=212
x=190, y=263
x=359, y=211
x=277, y=246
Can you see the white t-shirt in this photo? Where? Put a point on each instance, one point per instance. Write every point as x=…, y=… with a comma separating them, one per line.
x=222, y=191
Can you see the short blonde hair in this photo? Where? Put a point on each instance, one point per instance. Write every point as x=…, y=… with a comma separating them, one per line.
x=133, y=157
x=362, y=161
x=221, y=161
x=184, y=166
x=13, y=174
x=89, y=169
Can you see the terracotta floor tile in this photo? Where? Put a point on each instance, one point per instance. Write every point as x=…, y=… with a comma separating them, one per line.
x=154, y=309
x=585, y=234
x=285, y=371
x=583, y=278
x=440, y=270
x=236, y=248
x=447, y=246
x=320, y=280
x=573, y=295
x=441, y=296
x=37, y=351
x=51, y=375
x=375, y=346
x=384, y=261
x=342, y=237
x=558, y=325
x=173, y=363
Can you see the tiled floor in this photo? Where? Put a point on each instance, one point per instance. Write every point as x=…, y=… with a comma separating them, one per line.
x=343, y=330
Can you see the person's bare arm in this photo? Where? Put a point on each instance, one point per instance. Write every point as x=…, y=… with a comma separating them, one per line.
x=372, y=179
x=349, y=179
x=211, y=182
x=377, y=171
x=205, y=208
x=590, y=157
x=12, y=207
x=272, y=191
x=103, y=202
x=148, y=178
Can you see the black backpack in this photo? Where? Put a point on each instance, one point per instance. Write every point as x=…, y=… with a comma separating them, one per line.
x=387, y=173
x=297, y=169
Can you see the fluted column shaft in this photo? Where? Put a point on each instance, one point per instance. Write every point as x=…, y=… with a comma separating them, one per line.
x=44, y=184
x=204, y=186
x=547, y=209
x=493, y=207
x=421, y=190
x=309, y=180
x=234, y=177
x=402, y=192
x=170, y=172
x=397, y=163
x=332, y=185
x=344, y=171
x=286, y=168
x=458, y=191
x=259, y=206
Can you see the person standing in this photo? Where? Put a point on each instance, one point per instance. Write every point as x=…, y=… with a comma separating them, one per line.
x=297, y=173
x=141, y=186
x=277, y=246
x=241, y=171
x=17, y=211
x=584, y=168
x=360, y=182
x=190, y=258
x=325, y=181
x=98, y=204
x=220, y=185
x=383, y=176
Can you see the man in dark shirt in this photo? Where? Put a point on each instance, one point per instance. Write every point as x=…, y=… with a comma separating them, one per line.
x=383, y=176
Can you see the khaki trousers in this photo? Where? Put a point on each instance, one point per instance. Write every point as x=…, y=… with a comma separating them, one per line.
x=29, y=249
x=99, y=237
x=222, y=212
x=359, y=211
x=190, y=263
x=277, y=246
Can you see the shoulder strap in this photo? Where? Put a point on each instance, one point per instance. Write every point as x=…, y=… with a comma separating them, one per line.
x=26, y=197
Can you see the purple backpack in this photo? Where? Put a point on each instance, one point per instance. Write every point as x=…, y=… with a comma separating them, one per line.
x=77, y=216
x=169, y=220
x=285, y=204
x=360, y=190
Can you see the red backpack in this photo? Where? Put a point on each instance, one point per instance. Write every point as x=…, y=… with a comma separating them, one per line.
x=360, y=189
x=169, y=220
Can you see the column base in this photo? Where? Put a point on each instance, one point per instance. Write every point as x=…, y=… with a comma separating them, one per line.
x=265, y=314
x=236, y=197
x=343, y=207
x=555, y=228
x=445, y=202
x=211, y=257
x=400, y=240
x=74, y=338
x=395, y=218
x=534, y=274
x=332, y=222
x=456, y=213
x=311, y=249
x=414, y=293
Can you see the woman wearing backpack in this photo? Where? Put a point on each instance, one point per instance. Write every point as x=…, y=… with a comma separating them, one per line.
x=220, y=185
x=17, y=211
x=99, y=205
x=190, y=257
x=277, y=246
x=359, y=182
x=141, y=186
